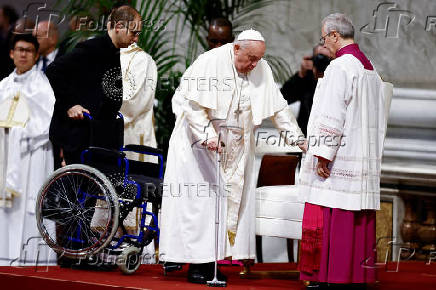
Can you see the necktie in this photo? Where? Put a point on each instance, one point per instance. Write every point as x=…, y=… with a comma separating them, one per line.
x=44, y=63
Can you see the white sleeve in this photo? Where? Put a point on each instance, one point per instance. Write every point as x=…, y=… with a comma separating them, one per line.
x=198, y=120
x=329, y=122
x=287, y=125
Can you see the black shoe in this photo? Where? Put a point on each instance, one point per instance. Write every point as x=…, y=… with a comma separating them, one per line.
x=317, y=285
x=359, y=286
x=97, y=267
x=171, y=266
x=149, y=236
x=353, y=286
x=196, y=274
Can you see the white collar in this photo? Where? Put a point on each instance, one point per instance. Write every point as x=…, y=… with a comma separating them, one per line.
x=18, y=78
x=51, y=56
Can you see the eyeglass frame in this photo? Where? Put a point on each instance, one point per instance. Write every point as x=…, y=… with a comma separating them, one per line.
x=322, y=38
x=22, y=49
x=134, y=32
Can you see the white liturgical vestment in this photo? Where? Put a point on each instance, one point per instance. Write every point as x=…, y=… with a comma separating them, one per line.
x=214, y=99
x=347, y=126
x=26, y=161
x=139, y=73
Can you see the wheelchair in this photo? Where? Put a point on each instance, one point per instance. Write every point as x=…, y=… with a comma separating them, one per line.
x=81, y=208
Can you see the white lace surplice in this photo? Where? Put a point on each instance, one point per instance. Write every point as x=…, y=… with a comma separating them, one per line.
x=347, y=125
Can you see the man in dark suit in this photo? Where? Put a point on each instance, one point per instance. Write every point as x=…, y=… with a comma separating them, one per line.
x=88, y=79
x=48, y=36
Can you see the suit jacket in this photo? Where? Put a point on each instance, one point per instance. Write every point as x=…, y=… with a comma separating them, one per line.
x=90, y=76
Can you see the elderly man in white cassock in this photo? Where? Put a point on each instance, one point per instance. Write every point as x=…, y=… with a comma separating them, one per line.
x=340, y=176
x=223, y=96
x=26, y=157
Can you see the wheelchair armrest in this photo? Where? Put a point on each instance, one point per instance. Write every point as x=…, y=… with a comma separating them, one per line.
x=110, y=152
x=143, y=149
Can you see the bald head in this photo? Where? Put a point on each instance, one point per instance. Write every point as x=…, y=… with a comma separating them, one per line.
x=220, y=32
x=24, y=25
x=123, y=13
x=48, y=35
x=47, y=28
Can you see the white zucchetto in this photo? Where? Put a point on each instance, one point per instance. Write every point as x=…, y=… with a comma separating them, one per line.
x=250, y=34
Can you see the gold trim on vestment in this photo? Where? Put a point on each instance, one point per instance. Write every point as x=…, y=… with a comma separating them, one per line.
x=141, y=142
x=232, y=237
x=9, y=123
x=12, y=192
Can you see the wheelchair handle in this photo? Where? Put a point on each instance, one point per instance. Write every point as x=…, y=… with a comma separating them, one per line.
x=87, y=115
x=112, y=152
x=143, y=149
x=90, y=117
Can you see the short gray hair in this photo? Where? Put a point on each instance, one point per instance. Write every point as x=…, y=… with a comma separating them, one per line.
x=338, y=22
x=246, y=43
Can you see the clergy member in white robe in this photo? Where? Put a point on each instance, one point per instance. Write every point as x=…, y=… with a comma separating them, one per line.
x=223, y=96
x=139, y=73
x=26, y=157
x=340, y=176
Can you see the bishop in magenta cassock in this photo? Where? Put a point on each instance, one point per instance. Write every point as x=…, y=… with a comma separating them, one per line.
x=340, y=176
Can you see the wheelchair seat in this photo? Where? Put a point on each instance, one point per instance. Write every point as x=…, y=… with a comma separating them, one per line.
x=149, y=187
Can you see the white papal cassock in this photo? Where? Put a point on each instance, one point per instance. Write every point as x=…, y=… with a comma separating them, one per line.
x=213, y=95
x=26, y=160
x=347, y=125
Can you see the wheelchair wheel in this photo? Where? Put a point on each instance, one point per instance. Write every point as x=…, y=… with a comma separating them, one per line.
x=77, y=211
x=129, y=260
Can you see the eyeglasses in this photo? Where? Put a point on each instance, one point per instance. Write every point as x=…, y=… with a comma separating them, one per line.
x=131, y=31
x=322, y=39
x=26, y=50
x=135, y=33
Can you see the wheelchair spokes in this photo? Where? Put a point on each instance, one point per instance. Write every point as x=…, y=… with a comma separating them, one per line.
x=78, y=211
